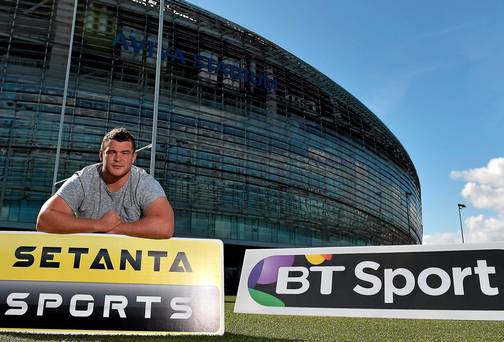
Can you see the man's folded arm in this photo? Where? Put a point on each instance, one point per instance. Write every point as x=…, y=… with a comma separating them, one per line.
x=158, y=222
x=56, y=216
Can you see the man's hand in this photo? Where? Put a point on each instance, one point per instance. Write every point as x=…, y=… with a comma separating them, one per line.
x=158, y=222
x=108, y=221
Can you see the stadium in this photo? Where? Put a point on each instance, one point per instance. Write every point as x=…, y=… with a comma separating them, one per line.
x=254, y=146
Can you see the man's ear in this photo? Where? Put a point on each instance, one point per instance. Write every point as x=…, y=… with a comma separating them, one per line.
x=134, y=157
x=100, y=155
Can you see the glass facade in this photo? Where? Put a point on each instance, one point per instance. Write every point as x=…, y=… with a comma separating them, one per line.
x=254, y=146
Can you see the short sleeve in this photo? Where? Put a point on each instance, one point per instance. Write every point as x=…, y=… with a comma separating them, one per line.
x=148, y=190
x=72, y=192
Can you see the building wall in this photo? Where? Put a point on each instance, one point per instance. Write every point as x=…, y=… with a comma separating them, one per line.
x=254, y=146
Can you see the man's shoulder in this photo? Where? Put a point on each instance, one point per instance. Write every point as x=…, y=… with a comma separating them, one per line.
x=79, y=185
x=89, y=172
x=146, y=187
x=138, y=171
x=142, y=178
x=138, y=174
x=90, y=169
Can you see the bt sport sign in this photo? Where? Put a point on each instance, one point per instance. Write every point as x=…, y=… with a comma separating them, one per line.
x=431, y=282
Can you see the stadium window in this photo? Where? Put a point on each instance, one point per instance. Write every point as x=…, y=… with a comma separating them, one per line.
x=222, y=227
x=199, y=224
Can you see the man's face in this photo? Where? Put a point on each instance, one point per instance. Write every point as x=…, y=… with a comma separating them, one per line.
x=117, y=158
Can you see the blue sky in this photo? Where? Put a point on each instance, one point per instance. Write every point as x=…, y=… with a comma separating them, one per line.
x=432, y=71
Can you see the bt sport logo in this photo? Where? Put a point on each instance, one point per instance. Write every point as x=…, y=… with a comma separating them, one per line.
x=421, y=280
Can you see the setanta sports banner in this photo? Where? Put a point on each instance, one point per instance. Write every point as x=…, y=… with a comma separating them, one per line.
x=431, y=282
x=110, y=284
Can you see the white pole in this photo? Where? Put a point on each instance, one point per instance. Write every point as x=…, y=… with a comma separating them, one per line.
x=156, y=89
x=63, y=105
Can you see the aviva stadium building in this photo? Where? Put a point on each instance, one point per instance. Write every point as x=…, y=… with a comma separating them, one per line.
x=254, y=146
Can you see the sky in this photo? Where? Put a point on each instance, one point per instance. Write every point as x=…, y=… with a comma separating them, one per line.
x=432, y=71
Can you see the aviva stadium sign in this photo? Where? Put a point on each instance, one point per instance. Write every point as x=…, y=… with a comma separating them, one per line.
x=207, y=63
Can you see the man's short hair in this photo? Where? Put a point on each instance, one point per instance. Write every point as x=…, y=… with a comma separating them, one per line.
x=118, y=134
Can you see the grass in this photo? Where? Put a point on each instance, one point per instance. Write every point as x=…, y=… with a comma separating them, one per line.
x=245, y=327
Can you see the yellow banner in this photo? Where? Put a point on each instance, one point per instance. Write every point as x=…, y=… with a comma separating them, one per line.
x=110, y=259
x=110, y=284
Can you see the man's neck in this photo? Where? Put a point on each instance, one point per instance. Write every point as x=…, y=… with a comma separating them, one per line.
x=114, y=184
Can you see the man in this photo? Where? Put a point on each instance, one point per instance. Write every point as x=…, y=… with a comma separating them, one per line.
x=113, y=196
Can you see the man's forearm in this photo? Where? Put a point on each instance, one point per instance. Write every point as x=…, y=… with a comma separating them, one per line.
x=152, y=227
x=53, y=221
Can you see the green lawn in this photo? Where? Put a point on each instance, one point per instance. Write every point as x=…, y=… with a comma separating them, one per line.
x=245, y=327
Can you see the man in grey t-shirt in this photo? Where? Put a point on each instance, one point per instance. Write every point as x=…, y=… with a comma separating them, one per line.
x=113, y=196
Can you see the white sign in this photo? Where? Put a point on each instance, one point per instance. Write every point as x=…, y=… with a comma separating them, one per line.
x=427, y=282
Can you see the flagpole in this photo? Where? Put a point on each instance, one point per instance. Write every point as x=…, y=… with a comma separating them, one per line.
x=63, y=105
x=152, y=169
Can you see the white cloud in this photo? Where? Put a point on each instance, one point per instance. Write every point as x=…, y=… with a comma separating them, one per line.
x=484, y=196
x=484, y=189
x=441, y=239
x=492, y=174
x=485, y=229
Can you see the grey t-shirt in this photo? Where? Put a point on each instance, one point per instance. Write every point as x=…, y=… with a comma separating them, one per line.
x=88, y=196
